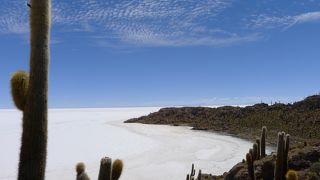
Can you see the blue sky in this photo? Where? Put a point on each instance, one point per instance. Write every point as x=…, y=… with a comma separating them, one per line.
x=170, y=52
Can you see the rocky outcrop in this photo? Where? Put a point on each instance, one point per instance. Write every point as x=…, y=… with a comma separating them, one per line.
x=301, y=159
x=301, y=119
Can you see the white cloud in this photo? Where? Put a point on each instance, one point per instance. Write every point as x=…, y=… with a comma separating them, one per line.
x=139, y=22
x=265, y=21
x=150, y=22
x=308, y=17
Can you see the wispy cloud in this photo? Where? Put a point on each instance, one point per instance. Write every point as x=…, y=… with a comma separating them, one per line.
x=265, y=21
x=151, y=22
x=308, y=17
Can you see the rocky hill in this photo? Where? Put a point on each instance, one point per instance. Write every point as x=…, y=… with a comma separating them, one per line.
x=300, y=119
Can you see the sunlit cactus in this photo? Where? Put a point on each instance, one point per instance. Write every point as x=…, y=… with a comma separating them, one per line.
x=292, y=175
x=117, y=167
x=19, y=88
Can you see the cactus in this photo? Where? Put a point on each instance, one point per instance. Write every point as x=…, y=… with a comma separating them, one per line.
x=285, y=155
x=105, y=169
x=192, y=174
x=108, y=170
x=117, y=167
x=19, y=88
x=250, y=166
x=255, y=152
x=280, y=157
x=292, y=175
x=263, y=142
x=33, y=152
x=199, y=175
x=193, y=171
x=258, y=149
x=251, y=152
x=81, y=174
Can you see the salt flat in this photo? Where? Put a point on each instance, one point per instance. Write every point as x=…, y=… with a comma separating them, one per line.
x=148, y=151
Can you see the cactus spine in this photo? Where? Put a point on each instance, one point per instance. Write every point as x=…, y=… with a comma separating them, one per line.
x=263, y=142
x=33, y=150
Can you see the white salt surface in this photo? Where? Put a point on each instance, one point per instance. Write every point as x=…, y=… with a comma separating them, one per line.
x=149, y=151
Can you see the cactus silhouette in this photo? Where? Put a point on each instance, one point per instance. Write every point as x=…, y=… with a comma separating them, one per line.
x=117, y=167
x=31, y=95
x=263, y=142
x=192, y=174
x=19, y=88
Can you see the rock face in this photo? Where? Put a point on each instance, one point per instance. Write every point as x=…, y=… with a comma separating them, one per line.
x=303, y=160
x=301, y=119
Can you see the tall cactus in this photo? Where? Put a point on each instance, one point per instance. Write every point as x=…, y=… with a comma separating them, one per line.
x=280, y=157
x=255, y=152
x=33, y=150
x=250, y=166
x=259, y=147
x=105, y=169
x=263, y=142
x=285, y=155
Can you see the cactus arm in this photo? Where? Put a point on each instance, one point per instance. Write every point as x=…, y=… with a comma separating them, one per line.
x=117, y=167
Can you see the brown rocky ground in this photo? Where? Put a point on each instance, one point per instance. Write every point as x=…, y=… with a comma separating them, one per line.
x=302, y=159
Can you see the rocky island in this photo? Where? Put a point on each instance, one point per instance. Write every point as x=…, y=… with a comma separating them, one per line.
x=300, y=119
